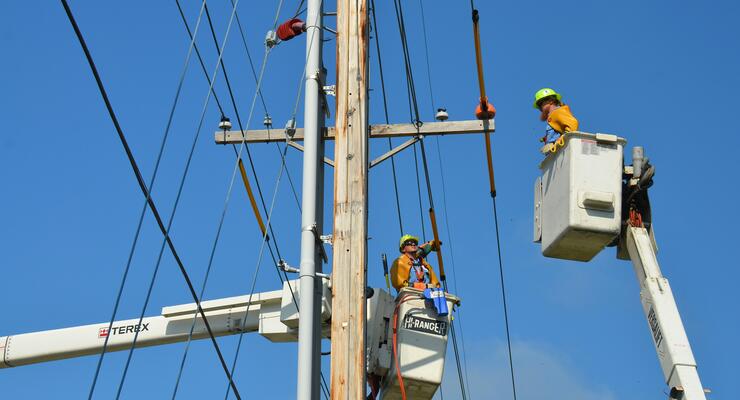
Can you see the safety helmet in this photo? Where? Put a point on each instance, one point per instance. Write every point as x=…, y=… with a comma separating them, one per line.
x=406, y=238
x=545, y=92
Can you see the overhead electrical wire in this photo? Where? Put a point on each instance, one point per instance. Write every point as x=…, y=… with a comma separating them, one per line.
x=323, y=381
x=245, y=179
x=142, y=185
x=264, y=108
x=174, y=208
x=444, y=192
x=484, y=106
x=143, y=210
x=412, y=92
x=283, y=166
x=385, y=110
x=236, y=110
x=258, y=91
x=413, y=104
x=251, y=162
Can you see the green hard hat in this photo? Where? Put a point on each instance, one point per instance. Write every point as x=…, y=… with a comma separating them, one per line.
x=405, y=238
x=545, y=92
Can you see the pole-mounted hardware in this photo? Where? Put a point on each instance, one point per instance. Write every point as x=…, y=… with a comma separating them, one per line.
x=319, y=243
x=284, y=266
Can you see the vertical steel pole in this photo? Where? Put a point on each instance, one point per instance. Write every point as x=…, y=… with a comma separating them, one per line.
x=309, y=328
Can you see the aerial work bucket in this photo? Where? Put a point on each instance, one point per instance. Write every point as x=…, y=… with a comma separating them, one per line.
x=578, y=197
x=421, y=344
x=411, y=331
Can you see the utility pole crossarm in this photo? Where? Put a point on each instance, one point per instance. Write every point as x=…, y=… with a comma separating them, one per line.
x=376, y=131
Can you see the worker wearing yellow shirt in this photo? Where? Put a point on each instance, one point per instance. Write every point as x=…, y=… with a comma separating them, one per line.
x=558, y=115
x=410, y=268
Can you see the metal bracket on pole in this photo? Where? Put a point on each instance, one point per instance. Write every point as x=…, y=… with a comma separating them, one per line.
x=284, y=266
x=327, y=239
x=330, y=90
x=319, y=243
x=394, y=151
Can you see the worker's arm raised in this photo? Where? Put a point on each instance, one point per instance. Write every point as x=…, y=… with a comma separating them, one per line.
x=428, y=247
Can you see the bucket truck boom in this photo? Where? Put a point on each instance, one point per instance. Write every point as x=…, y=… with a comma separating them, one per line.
x=587, y=199
x=417, y=341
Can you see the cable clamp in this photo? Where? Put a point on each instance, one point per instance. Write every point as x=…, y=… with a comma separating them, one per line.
x=327, y=239
x=330, y=90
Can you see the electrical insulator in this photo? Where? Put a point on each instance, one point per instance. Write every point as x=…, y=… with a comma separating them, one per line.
x=442, y=114
x=290, y=127
x=267, y=121
x=225, y=124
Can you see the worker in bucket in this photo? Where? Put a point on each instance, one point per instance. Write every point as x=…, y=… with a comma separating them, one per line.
x=411, y=269
x=558, y=116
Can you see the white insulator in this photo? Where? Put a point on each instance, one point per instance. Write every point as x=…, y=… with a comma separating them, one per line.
x=290, y=127
x=442, y=114
x=267, y=121
x=225, y=124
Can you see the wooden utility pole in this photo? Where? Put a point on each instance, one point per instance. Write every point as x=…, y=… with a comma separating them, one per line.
x=351, y=165
x=350, y=204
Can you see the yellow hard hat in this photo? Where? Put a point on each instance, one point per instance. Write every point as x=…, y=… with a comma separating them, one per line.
x=406, y=238
x=545, y=92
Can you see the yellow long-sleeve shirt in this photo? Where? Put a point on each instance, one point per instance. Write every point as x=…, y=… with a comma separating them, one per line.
x=401, y=269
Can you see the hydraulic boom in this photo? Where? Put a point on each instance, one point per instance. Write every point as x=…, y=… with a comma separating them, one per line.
x=587, y=199
x=669, y=335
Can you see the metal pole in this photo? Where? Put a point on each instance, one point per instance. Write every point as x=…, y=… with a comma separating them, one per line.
x=309, y=328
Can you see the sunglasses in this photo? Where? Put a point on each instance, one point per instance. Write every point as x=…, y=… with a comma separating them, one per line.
x=410, y=243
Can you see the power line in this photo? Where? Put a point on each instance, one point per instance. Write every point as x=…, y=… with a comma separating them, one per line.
x=412, y=92
x=177, y=202
x=233, y=101
x=444, y=190
x=243, y=145
x=143, y=211
x=479, y=65
x=418, y=191
x=211, y=90
x=503, y=297
x=143, y=186
x=205, y=74
x=385, y=110
x=264, y=107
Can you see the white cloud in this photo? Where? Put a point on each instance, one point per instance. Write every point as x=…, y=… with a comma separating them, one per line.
x=541, y=373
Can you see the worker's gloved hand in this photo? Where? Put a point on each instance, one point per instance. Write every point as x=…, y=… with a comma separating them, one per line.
x=427, y=248
x=547, y=148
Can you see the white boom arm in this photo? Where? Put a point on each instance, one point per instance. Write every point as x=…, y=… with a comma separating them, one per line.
x=420, y=346
x=669, y=335
x=273, y=314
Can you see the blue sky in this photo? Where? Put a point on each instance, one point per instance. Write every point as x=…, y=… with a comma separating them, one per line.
x=661, y=74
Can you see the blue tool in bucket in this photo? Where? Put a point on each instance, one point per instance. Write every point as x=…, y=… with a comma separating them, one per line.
x=438, y=298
